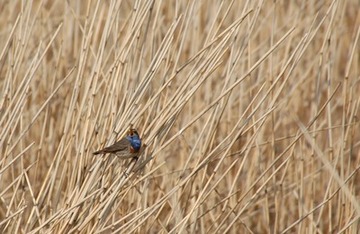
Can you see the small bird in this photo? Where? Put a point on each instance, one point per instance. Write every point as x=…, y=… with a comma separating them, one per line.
x=127, y=147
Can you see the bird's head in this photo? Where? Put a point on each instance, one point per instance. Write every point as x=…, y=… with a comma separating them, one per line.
x=134, y=139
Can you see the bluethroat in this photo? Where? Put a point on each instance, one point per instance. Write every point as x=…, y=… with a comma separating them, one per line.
x=127, y=147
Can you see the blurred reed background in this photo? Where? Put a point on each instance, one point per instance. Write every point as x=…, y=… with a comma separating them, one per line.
x=249, y=111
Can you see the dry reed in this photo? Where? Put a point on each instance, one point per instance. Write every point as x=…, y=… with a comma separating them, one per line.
x=248, y=109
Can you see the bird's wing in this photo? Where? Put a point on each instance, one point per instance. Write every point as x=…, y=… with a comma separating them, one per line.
x=123, y=144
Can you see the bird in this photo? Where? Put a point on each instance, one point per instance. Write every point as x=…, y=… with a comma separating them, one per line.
x=127, y=147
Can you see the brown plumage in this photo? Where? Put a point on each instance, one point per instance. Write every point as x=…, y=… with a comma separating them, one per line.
x=122, y=145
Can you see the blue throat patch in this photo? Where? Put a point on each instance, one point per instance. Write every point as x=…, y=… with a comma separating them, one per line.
x=135, y=142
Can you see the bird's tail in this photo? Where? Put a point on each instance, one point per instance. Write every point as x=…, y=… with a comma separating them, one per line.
x=98, y=152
